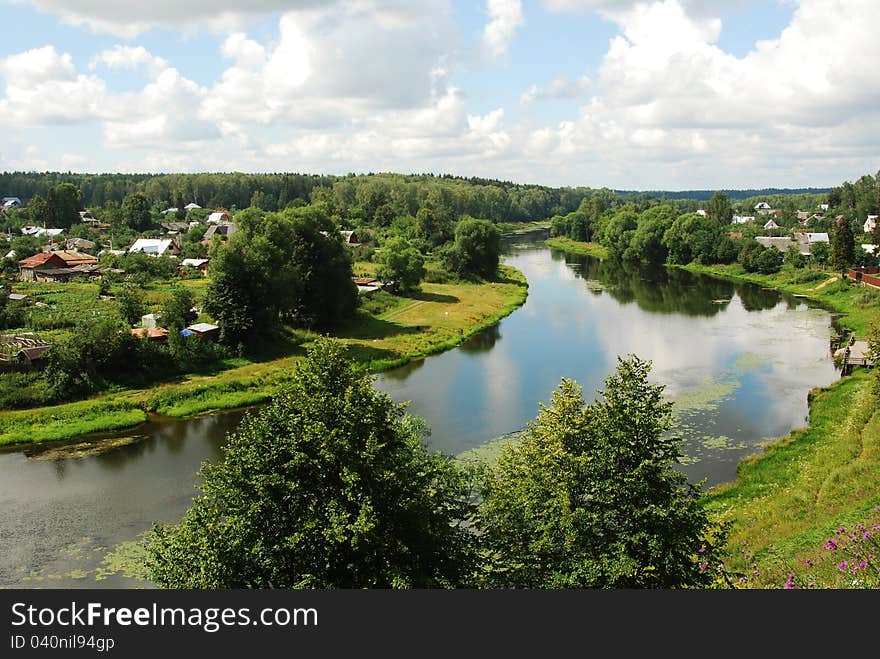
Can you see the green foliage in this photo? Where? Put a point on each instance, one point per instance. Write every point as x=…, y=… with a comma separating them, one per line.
x=842, y=247
x=692, y=237
x=280, y=267
x=820, y=253
x=329, y=486
x=808, y=276
x=63, y=204
x=401, y=262
x=719, y=209
x=130, y=302
x=754, y=257
x=590, y=498
x=99, y=349
x=794, y=258
x=38, y=211
x=177, y=310
x=477, y=248
x=136, y=212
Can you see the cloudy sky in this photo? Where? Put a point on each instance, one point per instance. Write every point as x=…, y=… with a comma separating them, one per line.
x=671, y=94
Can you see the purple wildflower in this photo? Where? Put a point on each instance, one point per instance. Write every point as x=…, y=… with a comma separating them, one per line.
x=842, y=565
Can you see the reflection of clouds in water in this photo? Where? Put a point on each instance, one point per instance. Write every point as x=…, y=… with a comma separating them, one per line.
x=502, y=386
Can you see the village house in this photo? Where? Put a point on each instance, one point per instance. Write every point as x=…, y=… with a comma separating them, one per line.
x=770, y=224
x=22, y=350
x=206, y=330
x=870, y=224
x=742, y=219
x=807, y=239
x=763, y=208
x=223, y=229
x=782, y=243
x=40, y=231
x=9, y=203
x=219, y=216
x=56, y=266
x=151, y=333
x=197, y=264
x=155, y=247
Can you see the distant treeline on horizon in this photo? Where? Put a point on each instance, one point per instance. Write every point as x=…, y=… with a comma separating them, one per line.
x=704, y=195
x=365, y=197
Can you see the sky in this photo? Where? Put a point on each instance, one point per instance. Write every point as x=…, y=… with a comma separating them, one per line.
x=626, y=94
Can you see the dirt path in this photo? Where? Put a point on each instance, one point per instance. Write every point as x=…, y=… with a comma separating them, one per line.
x=826, y=282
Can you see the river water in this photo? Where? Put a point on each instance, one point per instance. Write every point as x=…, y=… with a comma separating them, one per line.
x=737, y=360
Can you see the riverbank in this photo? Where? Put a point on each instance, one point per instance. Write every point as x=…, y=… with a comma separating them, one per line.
x=790, y=499
x=406, y=328
x=574, y=247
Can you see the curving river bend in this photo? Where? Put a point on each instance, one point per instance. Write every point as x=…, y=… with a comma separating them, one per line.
x=737, y=360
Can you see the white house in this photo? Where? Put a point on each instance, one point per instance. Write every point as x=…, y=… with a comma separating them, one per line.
x=154, y=247
x=742, y=219
x=702, y=213
x=219, y=216
x=763, y=207
x=10, y=202
x=771, y=225
x=870, y=224
x=39, y=231
x=191, y=205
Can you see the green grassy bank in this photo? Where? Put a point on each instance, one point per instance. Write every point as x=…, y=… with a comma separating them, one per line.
x=790, y=499
x=389, y=332
x=575, y=247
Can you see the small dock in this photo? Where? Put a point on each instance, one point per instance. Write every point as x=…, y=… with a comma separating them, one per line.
x=854, y=353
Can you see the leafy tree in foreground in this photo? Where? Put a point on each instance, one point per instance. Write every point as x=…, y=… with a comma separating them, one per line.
x=328, y=486
x=589, y=498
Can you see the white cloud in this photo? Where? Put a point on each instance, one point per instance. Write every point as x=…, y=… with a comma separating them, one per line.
x=129, y=19
x=128, y=57
x=505, y=16
x=559, y=87
x=44, y=87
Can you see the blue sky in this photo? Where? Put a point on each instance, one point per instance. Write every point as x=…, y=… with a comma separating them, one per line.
x=669, y=94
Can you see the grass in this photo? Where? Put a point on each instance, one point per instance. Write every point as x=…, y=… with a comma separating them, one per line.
x=789, y=499
x=401, y=329
x=522, y=227
x=60, y=422
x=575, y=247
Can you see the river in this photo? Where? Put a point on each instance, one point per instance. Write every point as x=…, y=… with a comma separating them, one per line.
x=737, y=361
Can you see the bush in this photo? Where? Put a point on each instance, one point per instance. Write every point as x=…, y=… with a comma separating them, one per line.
x=807, y=276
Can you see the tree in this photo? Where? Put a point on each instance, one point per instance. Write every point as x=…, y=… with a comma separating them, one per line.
x=177, y=311
x=590, y=498
x=820, y=253
x=477, y=247
x=38, y=211
x=329, y=486
x=136, y=211
x=842, y=246
x=131, y=305
x=719, y=208
x=64, y=203
x=401, y=262
x=794, y=258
